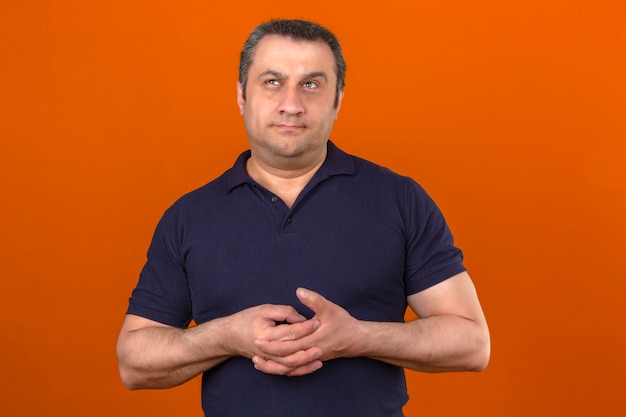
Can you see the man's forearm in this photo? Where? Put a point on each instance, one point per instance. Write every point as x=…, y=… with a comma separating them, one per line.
x=163, y=357
x=434, y=344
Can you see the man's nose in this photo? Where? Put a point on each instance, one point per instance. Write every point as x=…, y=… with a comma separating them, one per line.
x=291, y=102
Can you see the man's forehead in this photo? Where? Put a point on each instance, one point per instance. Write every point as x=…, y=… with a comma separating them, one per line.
x=285, y=47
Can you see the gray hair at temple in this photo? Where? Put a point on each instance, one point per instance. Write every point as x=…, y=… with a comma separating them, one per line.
x=300, y=30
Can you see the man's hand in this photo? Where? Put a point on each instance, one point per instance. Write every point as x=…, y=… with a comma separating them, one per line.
x=268, y=321
x=335, y=330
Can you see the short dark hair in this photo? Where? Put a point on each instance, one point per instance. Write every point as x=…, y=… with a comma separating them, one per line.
x=297, y=30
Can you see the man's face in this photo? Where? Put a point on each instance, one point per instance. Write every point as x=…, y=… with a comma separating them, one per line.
x=289, y=108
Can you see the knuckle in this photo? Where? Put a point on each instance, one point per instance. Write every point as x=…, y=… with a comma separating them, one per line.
x=290, y=364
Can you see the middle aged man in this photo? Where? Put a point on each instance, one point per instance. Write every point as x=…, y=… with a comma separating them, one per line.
x=300, y=261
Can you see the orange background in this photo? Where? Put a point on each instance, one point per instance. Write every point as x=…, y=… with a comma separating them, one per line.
x=511, y=114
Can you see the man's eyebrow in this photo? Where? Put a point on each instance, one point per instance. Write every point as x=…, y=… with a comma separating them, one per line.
x=315, y=74
x=272, y=73
x=280, y=75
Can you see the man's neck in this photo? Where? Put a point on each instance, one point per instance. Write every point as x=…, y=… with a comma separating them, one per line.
x=286, y=182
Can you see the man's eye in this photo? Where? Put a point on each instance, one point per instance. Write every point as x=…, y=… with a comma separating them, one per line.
x=272, y=82
x=310, y=84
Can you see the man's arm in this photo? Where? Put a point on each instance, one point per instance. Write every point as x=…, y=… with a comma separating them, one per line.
x=450, y=335
x=154, y=355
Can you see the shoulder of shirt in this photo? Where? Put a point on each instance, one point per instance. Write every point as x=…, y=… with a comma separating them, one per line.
x=200, y=196
x=375, y=170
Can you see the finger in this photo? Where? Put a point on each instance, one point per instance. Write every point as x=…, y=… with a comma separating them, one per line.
x=271, y=367
x=300, y=363
x=295, y=331
x=311, y=299
x=283, y=348
x=294, y=360
x=281, y=313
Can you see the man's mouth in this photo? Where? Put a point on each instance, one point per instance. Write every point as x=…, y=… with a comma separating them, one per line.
x=289, y=127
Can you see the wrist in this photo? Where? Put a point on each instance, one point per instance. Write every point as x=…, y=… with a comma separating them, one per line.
x=211, y=339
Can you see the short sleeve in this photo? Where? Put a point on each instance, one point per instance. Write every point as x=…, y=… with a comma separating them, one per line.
x=431, y=254
x=162, y=293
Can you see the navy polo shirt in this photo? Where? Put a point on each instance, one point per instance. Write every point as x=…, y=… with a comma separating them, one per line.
x=359, y=234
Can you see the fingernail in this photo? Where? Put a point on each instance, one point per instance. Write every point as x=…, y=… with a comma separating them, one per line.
x=303, y=292
x=316, y=324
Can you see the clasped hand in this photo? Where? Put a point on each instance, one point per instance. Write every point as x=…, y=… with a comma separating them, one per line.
x=300, y=346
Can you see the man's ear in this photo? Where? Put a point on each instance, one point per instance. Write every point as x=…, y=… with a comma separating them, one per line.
x=240, y=99
x=339, y=101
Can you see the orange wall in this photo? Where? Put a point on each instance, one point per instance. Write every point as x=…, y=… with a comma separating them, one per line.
x=512, y=114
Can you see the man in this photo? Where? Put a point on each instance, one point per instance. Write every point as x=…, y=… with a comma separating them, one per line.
x=300, y=261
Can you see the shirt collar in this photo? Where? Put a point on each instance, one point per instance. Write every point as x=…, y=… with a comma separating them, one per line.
x=337, y=163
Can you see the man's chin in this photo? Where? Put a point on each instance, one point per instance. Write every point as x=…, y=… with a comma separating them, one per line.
x=289, y=148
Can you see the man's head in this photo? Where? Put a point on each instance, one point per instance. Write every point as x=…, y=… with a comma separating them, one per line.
x=298, y=30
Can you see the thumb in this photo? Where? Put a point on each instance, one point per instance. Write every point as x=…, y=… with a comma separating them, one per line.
x=311, y=299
